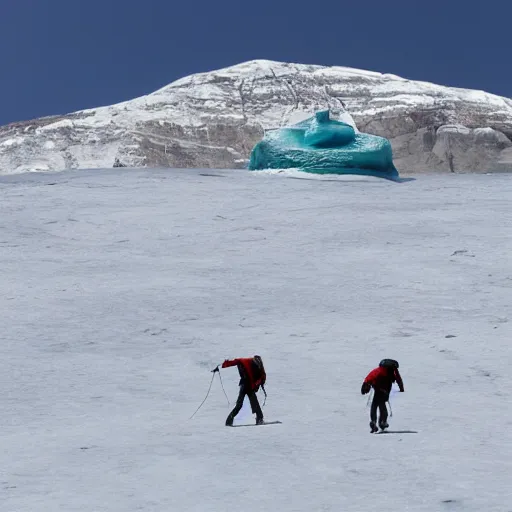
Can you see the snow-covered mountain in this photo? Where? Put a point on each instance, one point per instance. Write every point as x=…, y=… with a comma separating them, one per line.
x=214, y=119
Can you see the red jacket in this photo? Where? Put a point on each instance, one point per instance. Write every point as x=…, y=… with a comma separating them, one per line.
x=250, y=374
x=381, y=379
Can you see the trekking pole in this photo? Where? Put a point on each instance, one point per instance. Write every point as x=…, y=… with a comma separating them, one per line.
x=264, y=401
x=211, y=382
x=390, y=410
x=370, y=396
x=225, y=394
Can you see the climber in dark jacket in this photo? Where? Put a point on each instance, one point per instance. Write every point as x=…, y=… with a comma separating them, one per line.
x=381, y=380
x=252, y=376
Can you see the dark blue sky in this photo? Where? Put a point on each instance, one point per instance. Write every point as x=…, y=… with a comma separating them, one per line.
x=58, y=56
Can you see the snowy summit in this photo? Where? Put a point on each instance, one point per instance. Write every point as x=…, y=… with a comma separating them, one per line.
x=214, y=119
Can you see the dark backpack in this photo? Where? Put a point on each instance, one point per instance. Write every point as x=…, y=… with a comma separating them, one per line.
x=258, y=369
x=389, y=363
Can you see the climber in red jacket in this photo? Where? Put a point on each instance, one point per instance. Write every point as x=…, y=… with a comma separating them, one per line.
x=381, y=380
x=252, y=376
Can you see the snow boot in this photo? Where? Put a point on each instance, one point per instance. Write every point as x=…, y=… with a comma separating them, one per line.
x=260, y=421
x=373, y=426
x=383, y=425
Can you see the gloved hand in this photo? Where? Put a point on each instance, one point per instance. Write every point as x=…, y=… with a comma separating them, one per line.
x=365, y=388
x=216, y=369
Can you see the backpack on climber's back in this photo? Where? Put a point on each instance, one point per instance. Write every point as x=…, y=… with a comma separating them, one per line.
x=389, y=363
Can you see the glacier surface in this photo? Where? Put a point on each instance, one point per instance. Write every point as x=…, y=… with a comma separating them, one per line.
x=121, y=289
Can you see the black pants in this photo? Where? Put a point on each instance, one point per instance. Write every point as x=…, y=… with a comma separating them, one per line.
x=255, y=405
x=379, y=402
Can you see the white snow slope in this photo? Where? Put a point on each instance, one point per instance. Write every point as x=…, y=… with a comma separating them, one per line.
x=121, y=290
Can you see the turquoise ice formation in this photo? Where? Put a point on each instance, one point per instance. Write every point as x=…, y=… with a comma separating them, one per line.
x=323, y=146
